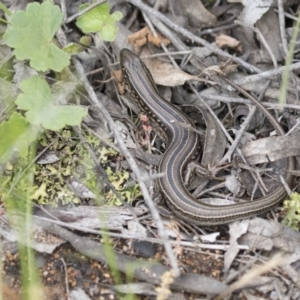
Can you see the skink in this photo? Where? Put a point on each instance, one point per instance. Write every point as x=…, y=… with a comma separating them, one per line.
x=182, y=147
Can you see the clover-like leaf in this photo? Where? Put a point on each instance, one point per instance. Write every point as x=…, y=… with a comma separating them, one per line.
x=31, y=36
x=37, y=100
x=99, y=20
x=15, y=134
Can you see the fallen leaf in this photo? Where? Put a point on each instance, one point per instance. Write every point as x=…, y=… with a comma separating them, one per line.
x=225, y=41
x=143, y=36
x=236, y=230
x=254, y=10
x=120, y=82
x=164, y=73
x=271, y=149
x=196, y=13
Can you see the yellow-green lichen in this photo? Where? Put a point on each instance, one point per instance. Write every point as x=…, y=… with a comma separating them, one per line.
x=292, y=209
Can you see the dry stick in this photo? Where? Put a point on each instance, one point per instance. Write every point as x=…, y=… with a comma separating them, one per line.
x=144, y=56
x=193, y=37
x=289, y=16
x=8, y=106
x=184, y=52
x=226, y=197
x=132, y=18
x=66, y=278
x=63, y=8
x=140, y=238
x=281, y=18
x=243, y=127
x=217, y=3
x=262, y=39
x=152, y=177
x=149, y=23
x=238, y=136
x=268, y=115
x=247, y=102
x=165, y=31
x=211, y=189
x=224, y=130
x=274, y=262
x=240, y=271
x=267, y=74
x=261, y=260
x=217, y=29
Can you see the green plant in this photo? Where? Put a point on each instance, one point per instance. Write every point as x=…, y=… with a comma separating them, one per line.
x=100, y=20
x=292, y=209
x=288, y=61
x=16, y=194
x=16, y=134
x=42, y=21
x=41, y=109
x=35, y=113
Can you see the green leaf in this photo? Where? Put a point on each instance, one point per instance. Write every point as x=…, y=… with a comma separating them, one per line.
x=99, y=20
x=7, y=94
x=31, y=35
x=86, y=40
x=16, y=135
x=73, y=48
x=5, y=9
x=37, y=100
